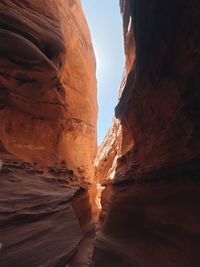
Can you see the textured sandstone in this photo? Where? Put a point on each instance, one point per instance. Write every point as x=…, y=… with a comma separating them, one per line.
x=38, y=222
x=160, y=101
x=150, y=213
x=149, y=161
x=47, y=79
x=108, y=154
x=48, y=114
x=150, y=225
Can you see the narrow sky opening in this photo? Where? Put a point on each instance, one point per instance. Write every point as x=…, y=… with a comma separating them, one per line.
x=105, y=25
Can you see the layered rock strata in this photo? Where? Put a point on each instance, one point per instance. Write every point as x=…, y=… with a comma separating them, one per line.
x=48, y=113
x=48, y=85
x=150, y=208
x=108, y=152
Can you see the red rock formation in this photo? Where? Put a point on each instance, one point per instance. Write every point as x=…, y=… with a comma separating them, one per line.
x=48, y=82
x=149, y=161
x=169, y=83
x=151, y=213
x=108, y=153
x=48, y=114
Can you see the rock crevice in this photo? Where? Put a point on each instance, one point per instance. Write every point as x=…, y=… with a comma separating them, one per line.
x=147, y=165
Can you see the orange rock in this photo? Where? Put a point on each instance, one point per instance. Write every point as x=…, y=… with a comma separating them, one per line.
x=48, y=86
x=108, y=153
x=48, y=115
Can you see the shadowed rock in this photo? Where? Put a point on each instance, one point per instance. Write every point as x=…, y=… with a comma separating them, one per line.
x=150, y=213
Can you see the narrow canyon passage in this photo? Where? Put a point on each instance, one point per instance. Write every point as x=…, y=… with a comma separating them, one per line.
x=146, y=171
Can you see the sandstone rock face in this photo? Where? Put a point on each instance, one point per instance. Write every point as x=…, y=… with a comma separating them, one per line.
x=150, y=210
x=48, y=113
x=150, y=225
x=48, y=85
x=149, y=161
x=108, y=154
x=162, y=116
x=39, y=221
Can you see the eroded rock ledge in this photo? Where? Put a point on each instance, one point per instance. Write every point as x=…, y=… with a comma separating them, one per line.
x=150, y=206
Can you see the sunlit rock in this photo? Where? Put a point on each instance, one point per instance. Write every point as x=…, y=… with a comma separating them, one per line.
x=48, y=82
x=48, y=114
x=108, y=153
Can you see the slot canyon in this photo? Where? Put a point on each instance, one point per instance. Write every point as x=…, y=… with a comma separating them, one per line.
x=145, y=174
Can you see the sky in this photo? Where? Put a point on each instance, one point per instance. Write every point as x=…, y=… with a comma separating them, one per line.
x=105, y=23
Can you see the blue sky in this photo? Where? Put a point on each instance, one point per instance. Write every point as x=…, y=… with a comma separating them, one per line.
x=105, y=25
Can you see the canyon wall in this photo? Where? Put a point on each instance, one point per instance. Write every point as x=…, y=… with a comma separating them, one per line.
x=148, y=162
x=48, y=82
x=150, y=207
x=48, y=113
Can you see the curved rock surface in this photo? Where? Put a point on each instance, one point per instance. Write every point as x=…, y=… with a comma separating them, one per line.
x=159, y=103
x=47, y=80
x=38, y=222
x=149, y=162
x=48, y=113
x=149, y=210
